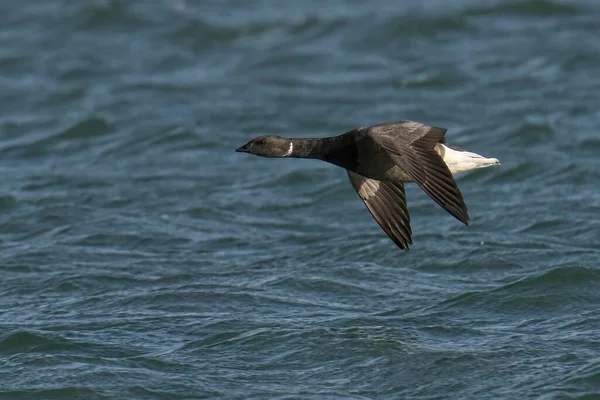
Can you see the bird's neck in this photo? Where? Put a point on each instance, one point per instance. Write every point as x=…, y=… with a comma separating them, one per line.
x=339, y=150
x=309, y=147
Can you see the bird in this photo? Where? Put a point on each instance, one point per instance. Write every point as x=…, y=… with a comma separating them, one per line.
x=380, y=159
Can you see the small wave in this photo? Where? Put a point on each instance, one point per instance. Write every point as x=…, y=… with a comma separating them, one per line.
x=28, y=341
x=519, y=172
x=542, y=226
x=432, y=80
x=65, y=392
x=134, y=239
x=69, y=140
x=585, y=376
x=230, y=338
x=7, y=202
x=531, y=134
x=297, y=176
x=580, y=381
x=161, y=142
x=324, y=286
x=560, y=287
x=542, y=8
x=199, y=34
x=93, y=126
x=62, y=95
x=400, y=27
x=112, y=13
x=590, y=144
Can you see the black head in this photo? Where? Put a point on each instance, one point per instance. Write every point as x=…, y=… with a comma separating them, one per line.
x=268, y=146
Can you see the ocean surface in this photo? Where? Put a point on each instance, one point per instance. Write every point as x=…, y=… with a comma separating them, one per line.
x=142, y=258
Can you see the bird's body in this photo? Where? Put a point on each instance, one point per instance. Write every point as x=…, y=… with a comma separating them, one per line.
x=380, y=159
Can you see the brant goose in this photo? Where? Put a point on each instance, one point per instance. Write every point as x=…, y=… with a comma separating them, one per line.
x=379, y=160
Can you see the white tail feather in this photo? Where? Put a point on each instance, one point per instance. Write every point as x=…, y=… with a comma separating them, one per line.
x=461, y=161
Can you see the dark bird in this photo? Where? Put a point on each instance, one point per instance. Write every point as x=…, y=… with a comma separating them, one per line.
x=379, y=160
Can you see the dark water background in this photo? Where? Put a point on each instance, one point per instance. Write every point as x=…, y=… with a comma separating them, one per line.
x=141, y=258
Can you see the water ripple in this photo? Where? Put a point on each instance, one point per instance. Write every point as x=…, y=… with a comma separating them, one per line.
x=139, y=249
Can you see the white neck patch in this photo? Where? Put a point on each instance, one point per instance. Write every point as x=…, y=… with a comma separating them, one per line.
x=289, y=152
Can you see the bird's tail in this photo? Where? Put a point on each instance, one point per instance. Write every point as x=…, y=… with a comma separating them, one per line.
x=459, y=160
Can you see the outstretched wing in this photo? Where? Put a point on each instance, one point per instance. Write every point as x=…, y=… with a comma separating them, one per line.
x=386, y=202
x=412, y=146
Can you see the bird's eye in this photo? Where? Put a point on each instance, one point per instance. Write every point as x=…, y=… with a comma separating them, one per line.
x=262, y=141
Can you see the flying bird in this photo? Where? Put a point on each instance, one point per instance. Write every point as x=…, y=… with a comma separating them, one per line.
x=379, y=160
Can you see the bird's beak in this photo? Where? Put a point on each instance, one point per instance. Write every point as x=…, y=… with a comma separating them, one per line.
x=243, y=149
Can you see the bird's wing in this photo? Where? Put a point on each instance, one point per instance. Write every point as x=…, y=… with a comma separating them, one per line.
x=386, y=202
x=412, y=146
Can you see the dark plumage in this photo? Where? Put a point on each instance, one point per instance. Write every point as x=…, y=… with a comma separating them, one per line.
x=379, y=160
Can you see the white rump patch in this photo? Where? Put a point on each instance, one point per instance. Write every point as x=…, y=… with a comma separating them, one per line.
x=289, y=152
x=461, y=161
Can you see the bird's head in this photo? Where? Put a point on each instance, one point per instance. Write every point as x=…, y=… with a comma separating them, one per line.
x=268, y=146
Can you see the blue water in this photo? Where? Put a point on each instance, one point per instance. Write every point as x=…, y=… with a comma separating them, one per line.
x=142, y=258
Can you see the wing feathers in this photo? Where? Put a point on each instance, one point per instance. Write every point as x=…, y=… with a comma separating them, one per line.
x=412, y=146
x=386, y=201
